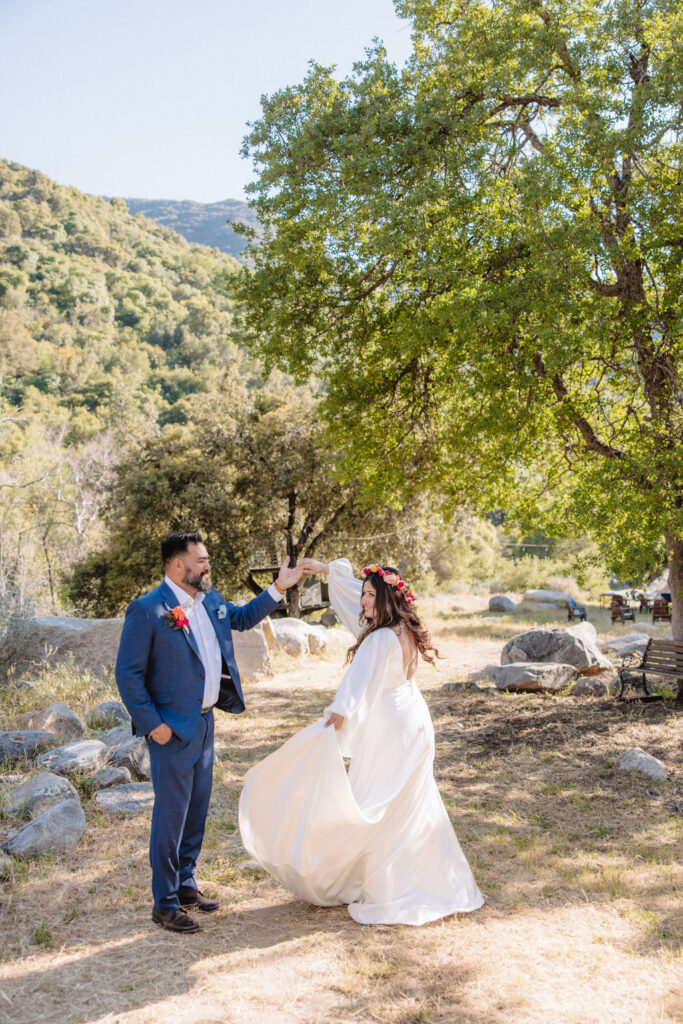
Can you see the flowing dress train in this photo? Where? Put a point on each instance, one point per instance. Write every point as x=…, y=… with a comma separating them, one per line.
x=377, y=838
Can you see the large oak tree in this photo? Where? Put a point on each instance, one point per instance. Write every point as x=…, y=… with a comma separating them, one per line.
x=481, y=256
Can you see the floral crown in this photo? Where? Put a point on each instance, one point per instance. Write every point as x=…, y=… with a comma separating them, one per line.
x=392, y=579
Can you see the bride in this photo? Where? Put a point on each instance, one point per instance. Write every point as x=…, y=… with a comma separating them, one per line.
x=378, y=838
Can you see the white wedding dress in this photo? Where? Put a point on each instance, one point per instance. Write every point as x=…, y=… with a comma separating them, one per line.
x=378, y=838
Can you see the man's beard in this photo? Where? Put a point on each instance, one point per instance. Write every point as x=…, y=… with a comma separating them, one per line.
x=201, y=582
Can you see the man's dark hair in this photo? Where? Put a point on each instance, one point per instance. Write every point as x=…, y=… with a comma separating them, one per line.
x=176, y=543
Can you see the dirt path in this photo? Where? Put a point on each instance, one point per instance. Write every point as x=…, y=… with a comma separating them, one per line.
x=580, y=866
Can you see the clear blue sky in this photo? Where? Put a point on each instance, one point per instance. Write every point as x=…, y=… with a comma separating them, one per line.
x=150, y=98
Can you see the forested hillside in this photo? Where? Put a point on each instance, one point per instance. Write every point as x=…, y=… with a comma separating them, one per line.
x=110, y=327
x=200, y=223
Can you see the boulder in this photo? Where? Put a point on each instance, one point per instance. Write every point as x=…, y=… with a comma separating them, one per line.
x=268, y=632
x=106, y=777
x=486, y=674
x=93, y=643
x=117, y=736
x=329, y=618
x=25, y=684
x=35, y=795
x=547, y=596
x=630, y=643
x=58, y=719
x=59, y=828
x=573, y=645
x=534, y=677
x=636, y=760
x=317, y=639
x=133, y=755
x=131, y=799
x=107, y=714
x=588, y=686
x=500, y=603
x=539, y=606
x=252, y=654
x=292, y=636
x=74, y=757
x=24, y=742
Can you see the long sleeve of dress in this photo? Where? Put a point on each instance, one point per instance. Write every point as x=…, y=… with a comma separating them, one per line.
x=345, y=594
x=360, y=688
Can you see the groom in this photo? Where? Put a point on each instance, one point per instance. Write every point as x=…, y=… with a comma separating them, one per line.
x=176, y=662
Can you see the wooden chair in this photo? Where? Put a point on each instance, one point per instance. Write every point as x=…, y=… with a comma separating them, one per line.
x=575, y=612
x=660, y=658
x=621, y=611
x=661, y=612
x=645, y=603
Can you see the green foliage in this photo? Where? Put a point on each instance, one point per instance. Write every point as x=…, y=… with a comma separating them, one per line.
x=259, y=482
x=480, y=255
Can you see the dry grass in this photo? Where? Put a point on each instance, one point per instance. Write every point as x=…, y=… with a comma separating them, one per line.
x=580, y=865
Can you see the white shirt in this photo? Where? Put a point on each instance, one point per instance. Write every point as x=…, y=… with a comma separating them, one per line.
x=205, y=635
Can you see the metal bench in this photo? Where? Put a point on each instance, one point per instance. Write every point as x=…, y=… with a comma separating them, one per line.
x=660, y=658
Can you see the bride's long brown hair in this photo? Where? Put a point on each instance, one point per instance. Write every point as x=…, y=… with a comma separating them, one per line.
x=392, y=609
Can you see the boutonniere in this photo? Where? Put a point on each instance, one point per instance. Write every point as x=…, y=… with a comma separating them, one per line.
x=177, y=619
x=221, y=611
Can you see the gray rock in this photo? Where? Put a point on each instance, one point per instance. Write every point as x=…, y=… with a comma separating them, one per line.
x=117, y=736
x=252, y=654
x=500, y=603
x=109, y=713
x=292, y=636
x=575, y=645
x=465, y=684
x=35, y=795
x=539, y=606
x=317, y=639
x=557, y=597
x=58, y=719
x=486, y=674
x=74, y=756
x=93, y=643
x=131, y=799
x=588, y=686
x=24, y=742
x=25, y=684
x=133, y=755
x=629, y=643
x=535, y=677
x=106, y=777
x=636, y=760
x=59, y=828
x=329, y=618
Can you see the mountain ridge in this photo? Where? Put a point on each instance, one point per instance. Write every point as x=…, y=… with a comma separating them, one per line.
x=199, y=223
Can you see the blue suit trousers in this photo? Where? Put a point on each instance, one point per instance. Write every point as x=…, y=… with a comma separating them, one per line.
x=182, y=773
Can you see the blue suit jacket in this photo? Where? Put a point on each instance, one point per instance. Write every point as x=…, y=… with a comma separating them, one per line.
x=159, y=673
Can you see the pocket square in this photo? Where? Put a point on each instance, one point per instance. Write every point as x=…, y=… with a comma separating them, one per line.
x=221, y=611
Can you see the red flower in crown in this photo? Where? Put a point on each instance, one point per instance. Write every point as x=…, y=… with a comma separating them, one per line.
x=391, y=579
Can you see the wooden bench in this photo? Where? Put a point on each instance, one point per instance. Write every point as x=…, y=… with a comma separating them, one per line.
x=575, y=612
x=621, y=611
x=660, y=658
x=661, y=611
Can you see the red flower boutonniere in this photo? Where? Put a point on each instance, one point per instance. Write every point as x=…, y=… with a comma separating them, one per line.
x=177, y=619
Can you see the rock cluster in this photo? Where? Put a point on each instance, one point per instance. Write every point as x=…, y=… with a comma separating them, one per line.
x=49, y=800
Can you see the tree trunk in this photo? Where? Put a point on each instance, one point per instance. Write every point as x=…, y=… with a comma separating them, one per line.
x=294, y=601
x=675, y=551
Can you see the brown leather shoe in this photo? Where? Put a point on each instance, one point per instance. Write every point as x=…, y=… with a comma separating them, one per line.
x=194, y=898
x=174, y=920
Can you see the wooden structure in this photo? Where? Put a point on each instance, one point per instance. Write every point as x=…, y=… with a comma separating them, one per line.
x=621, y=610
x=645, y=603
x=575, y=612
x=661, y=612
x=660, y=658
x=320, y=596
